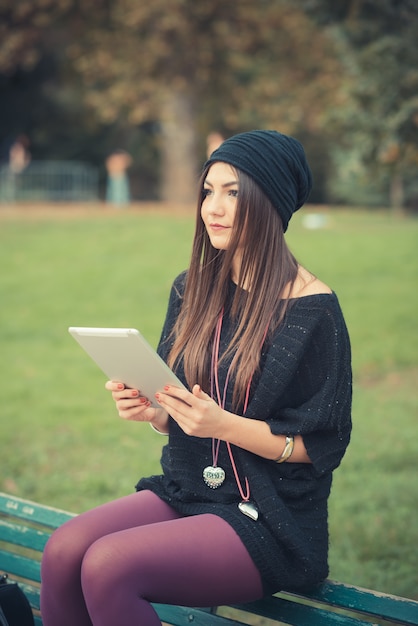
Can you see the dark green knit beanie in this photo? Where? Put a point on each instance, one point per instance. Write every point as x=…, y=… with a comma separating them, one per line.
x=276, y=162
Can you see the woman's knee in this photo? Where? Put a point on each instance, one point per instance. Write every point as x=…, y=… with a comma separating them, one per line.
x=99, y=568
x=64, y=549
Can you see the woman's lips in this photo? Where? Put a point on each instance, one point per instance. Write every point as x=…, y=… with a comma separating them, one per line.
x=218, y=227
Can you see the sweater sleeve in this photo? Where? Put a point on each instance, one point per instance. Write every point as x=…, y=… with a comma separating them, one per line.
x=305, y=387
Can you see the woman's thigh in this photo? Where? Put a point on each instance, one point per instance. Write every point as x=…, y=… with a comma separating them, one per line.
x=71, y=540
x=194, y=561
x=62, y=600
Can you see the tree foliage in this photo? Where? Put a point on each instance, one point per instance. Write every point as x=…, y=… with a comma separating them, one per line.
x=378, y=42
x=329, y=72
x=189, y=66
x=193, y=66
x=233, y=56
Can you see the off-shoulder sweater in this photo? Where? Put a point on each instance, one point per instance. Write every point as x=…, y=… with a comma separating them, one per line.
x=304, y=388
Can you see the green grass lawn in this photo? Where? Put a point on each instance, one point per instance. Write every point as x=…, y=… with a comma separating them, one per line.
x=61, y=441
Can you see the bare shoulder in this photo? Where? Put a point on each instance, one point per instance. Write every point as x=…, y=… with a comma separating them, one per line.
x=307, y=284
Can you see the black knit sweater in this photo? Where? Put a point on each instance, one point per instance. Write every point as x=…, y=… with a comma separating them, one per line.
x=304, y=387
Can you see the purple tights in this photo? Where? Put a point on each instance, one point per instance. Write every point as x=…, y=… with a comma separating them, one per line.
x=107, y=565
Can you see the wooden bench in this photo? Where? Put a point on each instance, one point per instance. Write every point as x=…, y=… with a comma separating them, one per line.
x=25, y=527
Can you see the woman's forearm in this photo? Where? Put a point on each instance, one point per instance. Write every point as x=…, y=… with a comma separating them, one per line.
x=255, y=436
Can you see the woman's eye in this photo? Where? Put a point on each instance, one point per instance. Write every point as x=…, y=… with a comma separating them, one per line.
x=205, y=192
x=233, y=193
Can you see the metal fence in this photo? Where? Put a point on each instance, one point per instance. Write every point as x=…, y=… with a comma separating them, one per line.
x=70, y=181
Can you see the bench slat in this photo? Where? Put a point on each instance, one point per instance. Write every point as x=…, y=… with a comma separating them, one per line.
x=17, y=534
x=20, y=566
x=184, y=616
x=297, y=614
x=32, y=511
x=401, y=610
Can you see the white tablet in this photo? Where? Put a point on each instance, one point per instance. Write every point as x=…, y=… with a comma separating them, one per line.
x=124, y=355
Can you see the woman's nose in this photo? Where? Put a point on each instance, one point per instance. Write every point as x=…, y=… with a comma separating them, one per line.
x=217, y=204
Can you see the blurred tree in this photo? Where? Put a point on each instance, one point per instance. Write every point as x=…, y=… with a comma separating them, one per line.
x=189, y=67
x=378, y=41
x=195, y=66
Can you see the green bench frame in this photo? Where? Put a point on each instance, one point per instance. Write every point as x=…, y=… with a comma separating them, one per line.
x=25, y=527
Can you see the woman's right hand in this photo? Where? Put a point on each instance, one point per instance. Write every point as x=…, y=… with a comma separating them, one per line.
x=134, y=407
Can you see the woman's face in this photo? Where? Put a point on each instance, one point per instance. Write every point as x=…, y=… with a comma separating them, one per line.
x=220, y=193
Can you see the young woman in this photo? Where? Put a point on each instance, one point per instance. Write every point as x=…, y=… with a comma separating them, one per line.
x=240, y=509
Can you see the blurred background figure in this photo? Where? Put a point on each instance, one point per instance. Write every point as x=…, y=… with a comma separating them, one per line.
x=118, y=190
x=17, y=158
x=19, y=155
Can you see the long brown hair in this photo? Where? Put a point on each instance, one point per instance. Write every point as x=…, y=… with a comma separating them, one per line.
x=267, y=266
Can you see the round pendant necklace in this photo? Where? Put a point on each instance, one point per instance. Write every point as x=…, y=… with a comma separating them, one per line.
x=213, y=475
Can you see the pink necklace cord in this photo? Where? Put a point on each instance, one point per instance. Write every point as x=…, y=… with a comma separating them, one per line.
x=221, y=401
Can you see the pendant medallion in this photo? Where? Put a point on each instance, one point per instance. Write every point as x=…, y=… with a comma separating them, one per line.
x=213, y=476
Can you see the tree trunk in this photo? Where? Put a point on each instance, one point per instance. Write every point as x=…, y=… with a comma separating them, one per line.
x=178, y=149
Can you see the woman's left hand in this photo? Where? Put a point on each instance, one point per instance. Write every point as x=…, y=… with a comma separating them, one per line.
x=195, y=412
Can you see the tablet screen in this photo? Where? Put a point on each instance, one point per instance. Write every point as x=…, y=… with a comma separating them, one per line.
x=124, y=355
